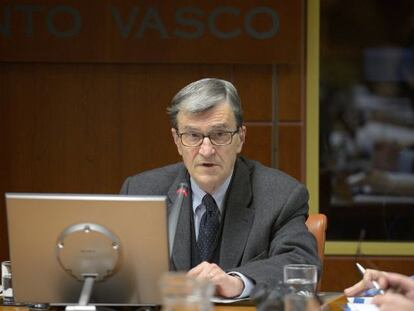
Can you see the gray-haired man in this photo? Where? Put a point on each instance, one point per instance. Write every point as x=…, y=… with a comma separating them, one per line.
x=243, y=221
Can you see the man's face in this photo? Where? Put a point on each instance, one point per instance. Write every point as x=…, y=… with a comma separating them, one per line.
x=208, y=164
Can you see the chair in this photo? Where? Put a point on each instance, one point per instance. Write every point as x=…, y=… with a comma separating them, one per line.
x=317, y=224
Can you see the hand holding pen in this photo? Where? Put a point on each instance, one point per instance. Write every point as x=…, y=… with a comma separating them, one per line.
x=374, y=282
x=366, y=283
x=386, y=281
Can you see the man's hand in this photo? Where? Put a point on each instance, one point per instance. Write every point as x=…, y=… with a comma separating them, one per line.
x=392, y=302
x=226, y=285
x=401, y=284
x=400, y=290
x=366, y=282
x=394, y=282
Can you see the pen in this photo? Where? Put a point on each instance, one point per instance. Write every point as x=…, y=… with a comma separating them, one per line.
x=375, y=283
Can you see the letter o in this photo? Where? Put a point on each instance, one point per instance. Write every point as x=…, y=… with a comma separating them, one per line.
x=213, y=27
x=257, y=34
x=76, y=26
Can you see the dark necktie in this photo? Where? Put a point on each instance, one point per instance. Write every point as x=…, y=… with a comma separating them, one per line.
x=209, y=227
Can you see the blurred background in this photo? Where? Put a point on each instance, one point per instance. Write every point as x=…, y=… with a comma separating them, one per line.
x=367, y=119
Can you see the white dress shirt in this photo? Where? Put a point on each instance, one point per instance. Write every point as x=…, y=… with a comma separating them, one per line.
x=199, y=210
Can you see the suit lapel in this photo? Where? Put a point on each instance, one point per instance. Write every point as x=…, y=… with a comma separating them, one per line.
x=238, y=217
x=181, y=253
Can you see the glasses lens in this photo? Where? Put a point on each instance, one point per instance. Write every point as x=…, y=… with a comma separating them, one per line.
x=220, y=138
x=191, y=139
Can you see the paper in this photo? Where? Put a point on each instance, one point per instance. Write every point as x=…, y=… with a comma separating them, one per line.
x=360, y=304
x=226, y=300
x=364, y=300
x=361, y=307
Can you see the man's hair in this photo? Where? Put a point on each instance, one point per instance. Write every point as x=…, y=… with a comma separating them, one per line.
x=203, y=95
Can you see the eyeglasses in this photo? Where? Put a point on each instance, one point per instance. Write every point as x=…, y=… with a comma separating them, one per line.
x=217, y=138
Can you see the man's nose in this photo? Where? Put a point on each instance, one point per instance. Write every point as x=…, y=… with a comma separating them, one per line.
x=206, y=147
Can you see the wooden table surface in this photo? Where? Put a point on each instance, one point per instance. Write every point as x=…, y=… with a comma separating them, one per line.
x=216, y=308
x=332, y=302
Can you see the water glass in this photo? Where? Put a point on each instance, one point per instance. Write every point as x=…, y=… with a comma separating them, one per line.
x=301, y=277
x=296, y=302
x=183, y=293
x=6, y=282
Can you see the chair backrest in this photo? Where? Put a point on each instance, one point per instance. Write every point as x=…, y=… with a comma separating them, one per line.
x=317, y=224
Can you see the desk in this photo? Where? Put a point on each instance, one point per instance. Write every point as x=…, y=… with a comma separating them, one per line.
x=228, y=307
x=332, y=302
x=234, y=308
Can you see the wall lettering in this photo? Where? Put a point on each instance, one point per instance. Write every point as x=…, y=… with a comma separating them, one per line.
x=139, y=22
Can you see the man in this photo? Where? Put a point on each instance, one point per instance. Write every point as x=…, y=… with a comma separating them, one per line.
x=242, y=222
x=399, y=288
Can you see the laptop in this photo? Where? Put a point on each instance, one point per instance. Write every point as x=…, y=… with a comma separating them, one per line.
x=49, y=234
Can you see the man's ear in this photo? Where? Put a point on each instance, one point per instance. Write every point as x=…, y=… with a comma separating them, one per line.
x=243, y=131
x=176, y=140
x=242, y=135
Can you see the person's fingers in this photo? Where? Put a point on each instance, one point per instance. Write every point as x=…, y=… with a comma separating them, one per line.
x=218, y=277
x=366, y=282
x=213, y=271
x=205, y=270
x=380, y=299
x=393, y=301
x=226, y=285
x=355, y=289
x=400, y=282
x=199, y=269
x=372, y=275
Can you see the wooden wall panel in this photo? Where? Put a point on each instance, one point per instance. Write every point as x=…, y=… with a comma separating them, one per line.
x=83, y=128
x=259, y=143
x=291, y=149
x=291, y=116
x=255, y=84
x=291, y=93
x=80, y=111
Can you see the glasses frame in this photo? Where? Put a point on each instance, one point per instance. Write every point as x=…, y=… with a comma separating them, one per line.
x=180, y=136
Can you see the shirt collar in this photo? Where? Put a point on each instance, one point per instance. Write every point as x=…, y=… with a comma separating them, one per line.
x=218, y=195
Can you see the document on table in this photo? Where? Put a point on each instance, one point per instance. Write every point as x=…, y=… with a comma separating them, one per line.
x=227, y=300
x=360, y=304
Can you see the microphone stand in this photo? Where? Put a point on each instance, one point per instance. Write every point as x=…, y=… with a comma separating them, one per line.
x=182, y=192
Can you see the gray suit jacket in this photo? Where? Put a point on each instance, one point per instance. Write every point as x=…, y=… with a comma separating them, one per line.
x=264, y=223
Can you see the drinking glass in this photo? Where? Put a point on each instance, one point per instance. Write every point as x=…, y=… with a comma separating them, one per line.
x=6, y=282
x=302, y=278
x=297, y=302
x=183, y=293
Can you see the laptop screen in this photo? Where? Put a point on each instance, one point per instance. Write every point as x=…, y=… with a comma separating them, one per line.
x=51, y=243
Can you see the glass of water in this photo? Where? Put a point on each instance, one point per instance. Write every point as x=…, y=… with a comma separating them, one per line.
x=183, y=293
x=295, y=302
x=6, y=282
x=302, y=278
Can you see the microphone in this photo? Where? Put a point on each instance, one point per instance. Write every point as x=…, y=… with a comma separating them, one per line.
x=182, y=192
x=359, y=254
x=361, y=238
